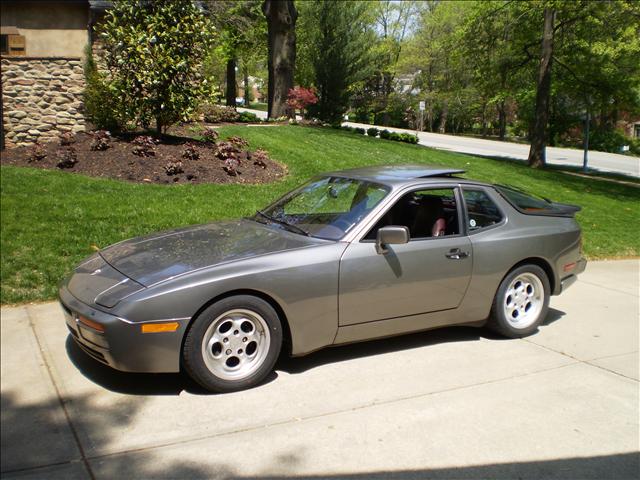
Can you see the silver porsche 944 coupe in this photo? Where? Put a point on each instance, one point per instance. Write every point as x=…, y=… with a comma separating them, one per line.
x=349, y=256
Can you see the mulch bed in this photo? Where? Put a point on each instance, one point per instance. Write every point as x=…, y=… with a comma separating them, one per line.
x=120, y=163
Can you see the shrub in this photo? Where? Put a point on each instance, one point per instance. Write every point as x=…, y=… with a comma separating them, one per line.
x=395, y=137
x=386, y=134
x=67, y=158
x=247, y=117
x=67, y=138
x=36, y=152
x=409, y=138
x=347, y=128
x=359, y=130
x=372, y=132
x=300, y=98
x=101, y=140
x=260, y=158
x=210, y=135
x=190, y=152
x=608, y=141
x=154, y=52
x=173, y=168
x=219, y=114
x=239, y=142
x=101, y=104
x=144, y=146
x=226, y=150
x=231, y=166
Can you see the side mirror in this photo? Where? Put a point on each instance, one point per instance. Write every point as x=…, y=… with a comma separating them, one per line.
x=391, y=235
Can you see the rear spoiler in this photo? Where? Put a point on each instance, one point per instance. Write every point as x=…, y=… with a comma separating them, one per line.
x=553, y=210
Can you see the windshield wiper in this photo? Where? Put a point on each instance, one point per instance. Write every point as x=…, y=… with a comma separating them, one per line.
x=289, y=226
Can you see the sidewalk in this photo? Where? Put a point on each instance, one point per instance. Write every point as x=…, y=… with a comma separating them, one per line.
x=453, y=403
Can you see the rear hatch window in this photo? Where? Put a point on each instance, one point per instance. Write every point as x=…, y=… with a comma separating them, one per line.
x=531, y=204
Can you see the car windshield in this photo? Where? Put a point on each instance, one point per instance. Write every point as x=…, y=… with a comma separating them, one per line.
x=326, y=207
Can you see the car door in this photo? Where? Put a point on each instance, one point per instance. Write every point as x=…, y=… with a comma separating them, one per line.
x=427, y=274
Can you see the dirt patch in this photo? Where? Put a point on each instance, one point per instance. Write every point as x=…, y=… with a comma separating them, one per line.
x=174, y=159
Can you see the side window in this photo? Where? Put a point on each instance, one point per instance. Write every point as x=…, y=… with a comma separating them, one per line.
x=481, y=211
x=426, y=213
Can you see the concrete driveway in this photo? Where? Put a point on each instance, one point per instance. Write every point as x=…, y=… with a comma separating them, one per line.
x=454, y=403
x=603, y=161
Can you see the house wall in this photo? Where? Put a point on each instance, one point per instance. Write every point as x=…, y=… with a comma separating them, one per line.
x=51, y=29
x=42, y=91
x=42, y=98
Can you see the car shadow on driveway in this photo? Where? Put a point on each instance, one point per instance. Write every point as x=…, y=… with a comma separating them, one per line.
x=394, y=344
x=174, y=383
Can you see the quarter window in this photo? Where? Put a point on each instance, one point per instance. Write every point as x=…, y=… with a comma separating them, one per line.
x=482, y=212
x=426, y=213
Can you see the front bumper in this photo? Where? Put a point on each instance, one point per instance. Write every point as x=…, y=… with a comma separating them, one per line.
x=122, y=345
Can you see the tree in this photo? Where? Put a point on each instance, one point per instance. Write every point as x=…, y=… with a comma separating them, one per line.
x=241, y=41
x=543, y=93
x=154, y=53
x=338, y=39
x=281, y=18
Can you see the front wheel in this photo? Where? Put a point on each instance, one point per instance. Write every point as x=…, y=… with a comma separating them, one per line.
x=521, y=303
x=233, y=344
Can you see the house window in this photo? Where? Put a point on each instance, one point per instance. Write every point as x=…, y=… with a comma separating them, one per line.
x=12, y=44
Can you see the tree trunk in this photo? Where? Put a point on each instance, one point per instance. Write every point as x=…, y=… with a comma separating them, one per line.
x=281, y=18
x=231, y=83
x=443, y=117
x=502, y=119
x=247, y=94
x=543, y=94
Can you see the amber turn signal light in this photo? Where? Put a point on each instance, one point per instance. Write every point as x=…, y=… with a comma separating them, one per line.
x=91, y=323
x=160, y=327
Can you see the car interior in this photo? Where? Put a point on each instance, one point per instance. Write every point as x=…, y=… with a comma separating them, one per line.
x=426, y=213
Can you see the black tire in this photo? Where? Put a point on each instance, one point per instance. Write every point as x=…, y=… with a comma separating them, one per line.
x=215, y=373
x=506, y=305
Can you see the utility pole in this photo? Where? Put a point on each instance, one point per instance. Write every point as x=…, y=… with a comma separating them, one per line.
x=585, y=143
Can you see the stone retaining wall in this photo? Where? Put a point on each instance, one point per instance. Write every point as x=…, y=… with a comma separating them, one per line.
x=42, y=97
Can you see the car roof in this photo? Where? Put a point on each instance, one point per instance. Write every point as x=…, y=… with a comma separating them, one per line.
x=396, y=173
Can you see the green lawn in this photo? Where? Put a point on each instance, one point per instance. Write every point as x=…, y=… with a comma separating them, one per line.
x=258, y=106
x=50, y=219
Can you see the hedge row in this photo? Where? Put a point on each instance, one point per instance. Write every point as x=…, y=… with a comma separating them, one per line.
x=385, y=134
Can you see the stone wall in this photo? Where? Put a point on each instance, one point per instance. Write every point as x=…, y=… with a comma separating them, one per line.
x=42, y=97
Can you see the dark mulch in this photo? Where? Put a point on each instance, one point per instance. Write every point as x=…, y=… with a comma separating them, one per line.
x=118, y=161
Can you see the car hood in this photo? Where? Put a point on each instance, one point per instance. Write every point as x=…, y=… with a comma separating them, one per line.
x=154, y=258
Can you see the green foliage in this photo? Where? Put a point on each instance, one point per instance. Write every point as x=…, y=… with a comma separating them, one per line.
x=372, y=132
x=247, y=117
x=359, y=130
x=611, y=141
x=385, y=134
x=219, y=113
x=337, y=39
x=154, y=53
x=101, y=104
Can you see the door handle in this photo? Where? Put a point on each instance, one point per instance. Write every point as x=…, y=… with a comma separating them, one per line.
x=456, y=254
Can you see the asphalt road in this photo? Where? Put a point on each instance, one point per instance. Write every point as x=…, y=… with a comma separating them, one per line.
x=602, y=161
x=452, y=403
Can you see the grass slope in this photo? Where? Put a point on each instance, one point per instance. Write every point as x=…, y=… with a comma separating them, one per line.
x=50, y=220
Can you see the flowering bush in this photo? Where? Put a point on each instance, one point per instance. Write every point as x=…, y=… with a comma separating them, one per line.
x=37, y=152
x=101, y=140
x=300, y=98
x=190, y=151
x=67, y=158
x=144, y=146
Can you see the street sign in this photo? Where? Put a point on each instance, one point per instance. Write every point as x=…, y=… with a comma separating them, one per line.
x=422, y=105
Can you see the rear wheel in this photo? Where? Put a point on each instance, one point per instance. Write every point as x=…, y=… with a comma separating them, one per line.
x=521, y=303
x=233, y=344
